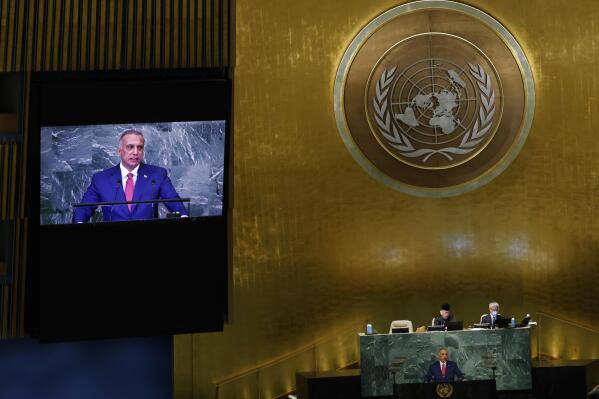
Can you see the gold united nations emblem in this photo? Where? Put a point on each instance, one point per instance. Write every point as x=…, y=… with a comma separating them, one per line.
x=434, y=98
x=444, y=390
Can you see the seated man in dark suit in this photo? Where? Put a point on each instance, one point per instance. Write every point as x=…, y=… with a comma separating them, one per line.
x=493, y=317
x=444, y=317
x=444, y=370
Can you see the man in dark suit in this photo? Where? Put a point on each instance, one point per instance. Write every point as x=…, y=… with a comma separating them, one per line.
x=131, y=180
x=443, y=370
x=444, y=317
x=493, y=317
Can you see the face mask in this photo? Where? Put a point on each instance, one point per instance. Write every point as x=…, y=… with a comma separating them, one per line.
x=493, y=313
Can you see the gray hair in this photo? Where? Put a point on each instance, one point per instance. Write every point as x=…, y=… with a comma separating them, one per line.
x=443, y=349
x=493, y=304
x=131, y=131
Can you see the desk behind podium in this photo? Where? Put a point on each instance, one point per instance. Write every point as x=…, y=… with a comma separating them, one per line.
x=388, y=359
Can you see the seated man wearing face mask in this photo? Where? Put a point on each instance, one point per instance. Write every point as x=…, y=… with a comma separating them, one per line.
x=493, y=317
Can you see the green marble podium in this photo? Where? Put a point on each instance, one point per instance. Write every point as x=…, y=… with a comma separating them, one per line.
x=405, y=358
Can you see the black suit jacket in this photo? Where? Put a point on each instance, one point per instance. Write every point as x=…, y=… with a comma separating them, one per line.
x=487, y=319
x=440, y=321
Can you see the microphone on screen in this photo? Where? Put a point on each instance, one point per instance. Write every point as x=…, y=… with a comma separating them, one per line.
x=154, y=204
x=118, y=184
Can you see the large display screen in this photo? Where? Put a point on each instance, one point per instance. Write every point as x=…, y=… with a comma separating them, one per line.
x=89, y=164
x=128, y=178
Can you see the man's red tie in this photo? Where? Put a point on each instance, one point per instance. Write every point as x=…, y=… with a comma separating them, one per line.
x=129, y=188
x=443, y=369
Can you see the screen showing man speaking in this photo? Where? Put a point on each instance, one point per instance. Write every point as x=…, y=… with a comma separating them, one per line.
x=123, y=168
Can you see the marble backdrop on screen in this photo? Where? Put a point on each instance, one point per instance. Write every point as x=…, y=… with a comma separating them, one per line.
x=192, y=152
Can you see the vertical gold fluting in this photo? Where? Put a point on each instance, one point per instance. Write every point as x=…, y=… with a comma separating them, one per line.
x=99, y=34
x=11, y=293
x=4, y=176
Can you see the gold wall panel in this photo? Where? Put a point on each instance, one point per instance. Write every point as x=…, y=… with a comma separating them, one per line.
x=554, y=338
x=317, y=243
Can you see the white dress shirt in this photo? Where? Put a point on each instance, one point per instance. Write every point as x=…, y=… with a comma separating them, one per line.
x=125, y=172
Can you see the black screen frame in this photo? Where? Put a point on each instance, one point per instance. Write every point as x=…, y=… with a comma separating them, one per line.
x=63, y=301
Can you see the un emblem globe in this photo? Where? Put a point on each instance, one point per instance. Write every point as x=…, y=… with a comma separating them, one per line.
x=433, y=101
x=434, y=98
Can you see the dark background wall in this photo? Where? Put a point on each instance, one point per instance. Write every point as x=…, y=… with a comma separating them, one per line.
x=116, y=369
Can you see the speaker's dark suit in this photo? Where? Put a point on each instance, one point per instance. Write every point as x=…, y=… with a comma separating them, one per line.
x=452, y=371
x=106, y=186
